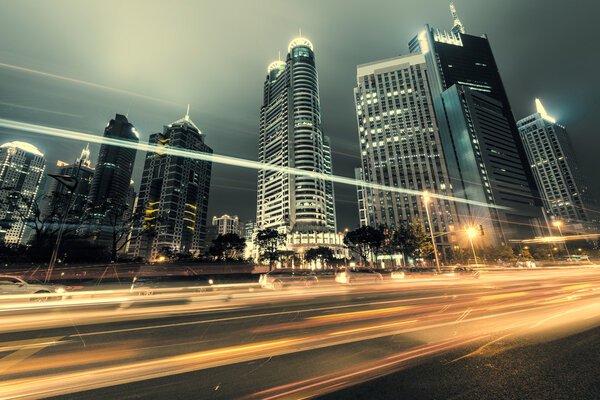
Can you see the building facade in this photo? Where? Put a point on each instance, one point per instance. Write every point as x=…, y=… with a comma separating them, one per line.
x=485, y=158
x=565, y=191
x=110, y=184
x=227, y=224
x=22, y=168
x=291, y=136
x=59, y=196
x=173, y=200
x=400, y=147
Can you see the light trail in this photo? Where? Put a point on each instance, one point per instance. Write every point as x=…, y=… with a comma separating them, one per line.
x=81, y=82
x=221, y=159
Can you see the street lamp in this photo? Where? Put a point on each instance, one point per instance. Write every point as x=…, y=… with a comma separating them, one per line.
x=426, y=200
x=471, y=233
x=558, y=223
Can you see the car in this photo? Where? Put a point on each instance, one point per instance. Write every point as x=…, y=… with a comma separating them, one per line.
x=11, y=285
x=281, y=278
x=465, y=272
x=145, y=285
x=358, y=275
x=397, y=274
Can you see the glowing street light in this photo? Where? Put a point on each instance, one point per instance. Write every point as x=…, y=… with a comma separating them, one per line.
x=426, y=200
x=558, y=223
x=471, y=233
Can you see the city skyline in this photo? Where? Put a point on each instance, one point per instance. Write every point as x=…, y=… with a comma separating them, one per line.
x=239, y=122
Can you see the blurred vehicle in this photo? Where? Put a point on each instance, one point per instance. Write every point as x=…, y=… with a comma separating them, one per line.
x=145, y=285
x=360, y=275
x=398, y=274
x=281, y=278
x=420, y=271
x=466, y=272
x=14, y=285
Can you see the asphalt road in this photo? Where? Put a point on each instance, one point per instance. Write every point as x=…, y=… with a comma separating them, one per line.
x=523, y=334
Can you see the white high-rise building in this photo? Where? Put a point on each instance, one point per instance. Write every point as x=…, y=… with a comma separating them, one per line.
x=562, y=186
x=22, y=167
x=291, y=136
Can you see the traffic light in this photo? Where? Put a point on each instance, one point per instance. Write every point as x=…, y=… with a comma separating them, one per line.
x=481, y=232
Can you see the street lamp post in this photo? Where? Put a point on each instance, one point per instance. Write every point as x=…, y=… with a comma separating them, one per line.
x=471, y=232
x=558, y=224
x=426, y=199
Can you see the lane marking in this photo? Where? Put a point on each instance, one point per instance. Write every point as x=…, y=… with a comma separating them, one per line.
x=371, y=328
x=503, y=296
x=28, y=348
x=364, y=312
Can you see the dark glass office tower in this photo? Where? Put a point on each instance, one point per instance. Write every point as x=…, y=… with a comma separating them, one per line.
x=173, y=200
x=485, y=156
x=112, y=177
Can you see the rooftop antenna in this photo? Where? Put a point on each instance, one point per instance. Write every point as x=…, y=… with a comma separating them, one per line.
x=458, y=26
x=300, y=32
x=279, y=55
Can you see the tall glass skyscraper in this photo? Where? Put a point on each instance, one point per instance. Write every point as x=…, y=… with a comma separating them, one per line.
x=485, y=157
x=564, y=188
x=291, y=136
x=173, y=200
x=22, y=168
x=112, y=177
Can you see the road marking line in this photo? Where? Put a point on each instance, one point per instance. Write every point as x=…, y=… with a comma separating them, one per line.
x=359, y=313
x=29, y=348
x=370, y=328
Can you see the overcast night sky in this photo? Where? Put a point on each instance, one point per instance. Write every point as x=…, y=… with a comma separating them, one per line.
x=161, y=55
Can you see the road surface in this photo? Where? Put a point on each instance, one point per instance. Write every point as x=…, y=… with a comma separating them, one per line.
x=505, y=334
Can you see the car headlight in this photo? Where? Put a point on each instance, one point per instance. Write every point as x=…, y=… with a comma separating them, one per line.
x=60, y=290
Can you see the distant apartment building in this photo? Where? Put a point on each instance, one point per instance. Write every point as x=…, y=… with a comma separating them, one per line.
x=59, y=196
x=22, y=168
x=249, y=228
x=227, y=224
x=173, y=201
x=400, y=147
x=562, y=184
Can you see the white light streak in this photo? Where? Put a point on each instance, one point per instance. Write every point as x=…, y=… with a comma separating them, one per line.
x=80, y=82
x=220, y=159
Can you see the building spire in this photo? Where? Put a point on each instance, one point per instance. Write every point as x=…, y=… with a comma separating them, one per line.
x=458, y=26
x=187, y=113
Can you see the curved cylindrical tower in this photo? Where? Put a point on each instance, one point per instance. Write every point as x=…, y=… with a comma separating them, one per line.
x=291, y=135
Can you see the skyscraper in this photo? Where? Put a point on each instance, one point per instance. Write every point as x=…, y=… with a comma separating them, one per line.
x=564, y=188
x=112, y=177
x=291, y=136
x=22, y=167
x=400, y=145
x=173, y=200
x=58, y=195
x=485, y=158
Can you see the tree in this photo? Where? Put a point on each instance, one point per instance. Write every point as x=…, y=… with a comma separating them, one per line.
x=287, y=257
x=44, y=224
x=321, y=253
x=123, y=227
x=228, y=246
x=269, y=241
x=364, y=241
x=411, y=240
